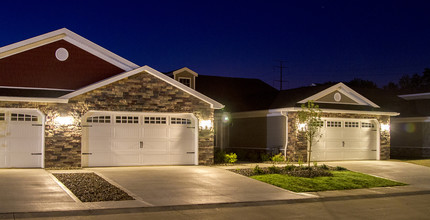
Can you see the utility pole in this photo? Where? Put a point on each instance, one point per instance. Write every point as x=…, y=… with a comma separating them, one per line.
x=281, y=67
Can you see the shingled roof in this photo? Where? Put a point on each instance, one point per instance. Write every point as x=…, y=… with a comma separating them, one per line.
x=242, y=94
x=237, y=94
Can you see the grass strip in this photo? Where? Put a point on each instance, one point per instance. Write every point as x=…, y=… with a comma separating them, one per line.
x=89, y=187
x=341, y=180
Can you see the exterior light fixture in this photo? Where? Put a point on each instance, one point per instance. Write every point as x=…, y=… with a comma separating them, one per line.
x=385, y=127
x=205, y=124
x=64, y=120
x=302, y=127
x=225, y=117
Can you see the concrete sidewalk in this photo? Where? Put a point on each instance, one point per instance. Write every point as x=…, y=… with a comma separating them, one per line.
x=182, y=187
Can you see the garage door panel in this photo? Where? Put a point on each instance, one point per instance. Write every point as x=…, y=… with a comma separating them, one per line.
x=146, y=139
x=20, y=159
x=100, y=159
x=181, y=159
x=156, y=147
x=155, y=132
x=150, y=159
x=125, y=159
x=21, y=138
x=100, y=145
x=125, y=145
x=349, y=140
x=181, y=133
x=126, y=131
x=100, y=131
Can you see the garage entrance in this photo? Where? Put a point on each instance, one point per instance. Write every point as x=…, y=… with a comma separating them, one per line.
x=347, y=139
x=21, y=138
x=130, y=139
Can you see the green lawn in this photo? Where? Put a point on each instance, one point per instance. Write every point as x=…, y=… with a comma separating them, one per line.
x=340, y=180
x=422, y=162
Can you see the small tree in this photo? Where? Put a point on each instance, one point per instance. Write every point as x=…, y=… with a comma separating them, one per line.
x=310, y=121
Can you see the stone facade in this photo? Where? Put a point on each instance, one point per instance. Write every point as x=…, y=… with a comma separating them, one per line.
x=141, y=92
x=297, y=145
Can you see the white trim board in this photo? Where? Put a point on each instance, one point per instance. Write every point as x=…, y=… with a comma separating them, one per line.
x=75, y=39
x=214, y=104
x=345, y=90
x=278, y=111
x=184, y=69
x=416, y=96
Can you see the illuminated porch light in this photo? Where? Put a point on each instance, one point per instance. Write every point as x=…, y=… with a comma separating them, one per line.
x=205, y=124
x=64, y=120
x=385, y=127
x=302, y=127
x=225, y=117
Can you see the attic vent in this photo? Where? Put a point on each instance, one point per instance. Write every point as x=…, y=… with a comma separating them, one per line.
x=337, y=97
x=62, y=54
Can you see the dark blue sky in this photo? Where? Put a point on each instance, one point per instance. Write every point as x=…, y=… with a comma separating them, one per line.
x=320, y=40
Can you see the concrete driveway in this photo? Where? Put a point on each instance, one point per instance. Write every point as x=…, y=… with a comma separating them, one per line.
x=185, y=185
x=29, y=190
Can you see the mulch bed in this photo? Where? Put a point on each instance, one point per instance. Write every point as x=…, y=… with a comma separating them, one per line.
x=298, y=171
x=89, y=187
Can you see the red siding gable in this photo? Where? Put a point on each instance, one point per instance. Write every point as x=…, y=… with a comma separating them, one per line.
x=40, y=68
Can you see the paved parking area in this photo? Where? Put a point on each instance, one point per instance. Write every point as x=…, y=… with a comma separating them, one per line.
x=30, y=189
x=185, y=185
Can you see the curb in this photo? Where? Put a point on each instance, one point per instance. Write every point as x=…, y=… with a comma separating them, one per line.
x=89, y=212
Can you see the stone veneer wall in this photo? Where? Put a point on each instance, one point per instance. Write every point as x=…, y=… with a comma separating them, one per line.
x=297, y=146
x=138, y=93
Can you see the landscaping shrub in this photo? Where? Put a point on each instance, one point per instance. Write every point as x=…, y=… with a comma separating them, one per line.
x=324, y=167
x=219, y=156
x=274, y=169
x=230, y=158
x=257, y=170
x=278, y=158
x=338, y=168
x=265, y=157
x=291, y=170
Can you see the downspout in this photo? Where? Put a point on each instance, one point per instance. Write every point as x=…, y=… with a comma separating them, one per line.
x=285, y=114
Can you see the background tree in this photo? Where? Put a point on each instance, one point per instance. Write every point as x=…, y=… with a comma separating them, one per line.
x=310, y=117
x=356, y=82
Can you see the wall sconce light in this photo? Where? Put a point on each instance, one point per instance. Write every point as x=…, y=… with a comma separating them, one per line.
x=205, y=124
x=385, y=127
x=64, y=120
x=225, y=117
x=302, y=127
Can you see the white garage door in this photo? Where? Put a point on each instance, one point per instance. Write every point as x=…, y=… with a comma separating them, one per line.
x=129, y=139
x=346, y=139
x=21, y=138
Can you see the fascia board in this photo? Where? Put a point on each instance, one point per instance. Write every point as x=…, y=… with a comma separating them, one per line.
x=346, y=91
x=410, y=119
x=33, y=99
x=415, y=96
x=185, y=69
x=324, y=110
x=214, y=104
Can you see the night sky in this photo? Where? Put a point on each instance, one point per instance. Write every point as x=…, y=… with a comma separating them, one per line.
x=318, y=40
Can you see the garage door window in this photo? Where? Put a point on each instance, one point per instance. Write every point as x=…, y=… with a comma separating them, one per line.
x=334, y=124
x=352, y=124
x=98, y=119
x=23, y=117
x=2, y=116
x=127, y=119
x=179, y=121
x=367, y=125
x=155, y=120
